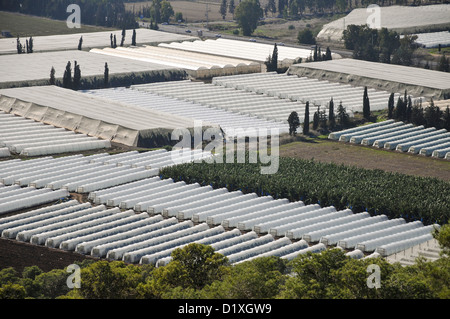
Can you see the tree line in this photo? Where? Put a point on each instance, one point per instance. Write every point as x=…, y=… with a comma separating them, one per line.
x=108, y=13
x=407, y=111
x=72, y=78
x=381, y=45
x=197, y=272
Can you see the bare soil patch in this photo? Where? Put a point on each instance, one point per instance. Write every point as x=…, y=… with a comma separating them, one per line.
x=367, y=157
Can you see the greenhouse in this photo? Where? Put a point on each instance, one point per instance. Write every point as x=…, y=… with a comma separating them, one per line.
x=398, y=136
x=433, y=39
x=417, y=82
x=212, y=96
x=230, y=122
x=196, y=64
x=16, y=70
x=258, y=52
x=29, y=138
x=303, y=89
x=402, y=19
x=64, y=42
x=95, y=116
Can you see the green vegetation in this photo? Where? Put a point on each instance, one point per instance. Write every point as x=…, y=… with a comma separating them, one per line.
x=379, y=45
x=197, y=272
x=26, y=25
x=247, y=15
x=110, y=13
x=378, y=192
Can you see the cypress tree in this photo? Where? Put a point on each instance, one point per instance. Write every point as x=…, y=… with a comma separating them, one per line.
x=331, y=116
x=328, y=54
x=274, y=61
x=106, y=76
x=76, y=76
x=123, y=37
x=316, y=119
x=52, y=80
x=115, y=41
x=31, y=44
x=408, y=112
x=366, y=105
x=342, y=115
x=111, y=39
x=19, y=46
x=306, y=120
x=133, y=39
x=391, y=106
x=294, y=123
x=67, y=78
x=80, y=43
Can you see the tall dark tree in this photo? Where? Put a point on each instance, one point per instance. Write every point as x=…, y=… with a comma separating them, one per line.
x=294, y=123
x=223, y=9
x=417, y=116
x=391, y=105
x=106, y=76
x=122, y=42
x=19, y=46
x=80, y=44
x=115, y=41
x=409, y=108
x=67, y=78
x=328, y=54
x=446, y=119
x=133, y=38
x=342, y=115
x=331, y=116
x=112, y=41
x=247, y=15
x=432, y=115
x=366, y=105
x=316, y=119
x=274, y=61
x=231, y=7
x=306, y=119
x=52, y=80
x=30, y=45
x=76, y=76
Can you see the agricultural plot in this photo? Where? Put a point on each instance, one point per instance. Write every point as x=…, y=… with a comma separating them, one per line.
x=26, y=137
x=117, y=122
x=229, y=122
x=399, y=136
x=84, y=174
x=109, y=232
x=381, y=76
x=213, y=96
x=409, y=19
x=303, y=89
x=433, y=39
x=16, y=69
x=91, y=40
x=261, y=215
x=258, y=52
x=196, y=64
